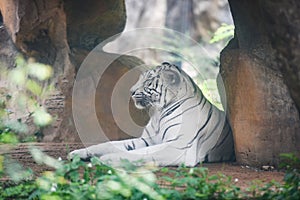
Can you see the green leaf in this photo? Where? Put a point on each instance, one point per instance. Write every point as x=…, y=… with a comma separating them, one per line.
x=22, y=101
x=34, y=87
x=42, y=158
x=1, y=163
x=213, y=178
x=18, y=76
x=8, y=138
x=16, y=171
x=17, y=126
x=164, y=170
x=20, y=61
x=50, y=197
x=41, y=117
x=40, y=71
x=224, y=32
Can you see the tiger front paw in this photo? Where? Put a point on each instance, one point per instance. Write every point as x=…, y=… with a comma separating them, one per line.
x=82, y=153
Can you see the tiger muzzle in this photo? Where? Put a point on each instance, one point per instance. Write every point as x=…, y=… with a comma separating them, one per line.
x=140, y=100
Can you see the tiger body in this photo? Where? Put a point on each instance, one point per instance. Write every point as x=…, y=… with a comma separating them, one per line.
x=184, y=127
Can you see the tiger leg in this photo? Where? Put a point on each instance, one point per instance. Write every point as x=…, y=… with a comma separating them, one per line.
x=108, y=147
x=161, y=155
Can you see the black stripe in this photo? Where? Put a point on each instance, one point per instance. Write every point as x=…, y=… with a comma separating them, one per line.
x=202, y=97
x=128, y=147
x=172, y=110
x=204, y=103
x=207, y=120
x=165, y=102
x=218, y=144
x=195, y=87
x=212, y=132
x=164, y=114
x=133, y=144
x=186, y=147
x=161, y=89
x=163, y=136
x=184, y=111
x=146, y=143
x=156, y=83
x=179, y=103
x=175, y=138
x=156, y=131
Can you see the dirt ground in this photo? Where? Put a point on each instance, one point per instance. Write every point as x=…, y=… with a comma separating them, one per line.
x=243, y=176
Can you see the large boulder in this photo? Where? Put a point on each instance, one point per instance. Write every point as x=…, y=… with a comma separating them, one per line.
x=260, y=94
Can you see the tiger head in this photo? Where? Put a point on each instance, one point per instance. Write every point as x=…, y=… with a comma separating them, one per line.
x=160, y=86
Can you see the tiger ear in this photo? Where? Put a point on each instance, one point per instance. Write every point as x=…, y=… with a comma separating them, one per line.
x=171, y=77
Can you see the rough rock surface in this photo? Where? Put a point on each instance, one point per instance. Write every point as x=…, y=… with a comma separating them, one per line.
x=283, y=28
x=61, y=33
x=38, y=29
x=89, y=22
x=262, y=112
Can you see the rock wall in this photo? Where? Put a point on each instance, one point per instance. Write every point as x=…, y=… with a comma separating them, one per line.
x=254, y=67
x=37, y=29
x=283, y=28
x=61, y=33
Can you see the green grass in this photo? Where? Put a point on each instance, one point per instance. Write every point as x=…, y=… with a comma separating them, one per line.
x=80, y=180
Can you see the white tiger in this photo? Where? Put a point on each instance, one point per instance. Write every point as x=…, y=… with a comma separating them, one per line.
x=184, y=127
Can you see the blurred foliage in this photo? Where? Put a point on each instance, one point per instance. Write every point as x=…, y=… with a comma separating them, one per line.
x=200, y=61
x=16, y=171
x=223, y=34
x=80, y=180
x=197, y=56
x=23, y=92
x=210, y=90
